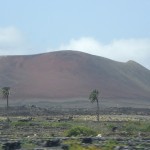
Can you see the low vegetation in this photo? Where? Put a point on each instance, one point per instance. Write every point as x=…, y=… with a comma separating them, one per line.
x=81, y=131
x=72, y=132
x=77, y=133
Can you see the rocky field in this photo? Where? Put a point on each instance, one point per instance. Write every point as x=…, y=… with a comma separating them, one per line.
x=37, y=128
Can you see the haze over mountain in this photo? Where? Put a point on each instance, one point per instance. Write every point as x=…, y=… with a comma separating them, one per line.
x=69, y=74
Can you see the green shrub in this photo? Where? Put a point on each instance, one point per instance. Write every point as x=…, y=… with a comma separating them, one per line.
x=18, y=123
x=76, y=145
x=81, y=130
x=147, y=128
x=109, y=145
x=137, y=126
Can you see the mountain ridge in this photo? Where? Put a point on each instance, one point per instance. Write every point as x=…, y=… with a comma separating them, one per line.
x=63, y=74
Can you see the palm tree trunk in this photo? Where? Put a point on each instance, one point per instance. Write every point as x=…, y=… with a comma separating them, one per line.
x=97, y=110
x=7, y=102
x=7, y=108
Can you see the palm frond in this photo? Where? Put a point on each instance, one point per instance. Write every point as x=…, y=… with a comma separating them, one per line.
x=94, y=96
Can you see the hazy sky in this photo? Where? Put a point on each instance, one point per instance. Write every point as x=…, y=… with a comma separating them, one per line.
x=116, y=29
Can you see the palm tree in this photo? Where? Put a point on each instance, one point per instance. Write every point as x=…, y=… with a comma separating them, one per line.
x=5, y=94
x=94, y=98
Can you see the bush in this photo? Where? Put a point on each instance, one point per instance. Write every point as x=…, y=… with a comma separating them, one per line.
x=18, y=123
x=137, y=127
x=109, y=145
x=81, y=130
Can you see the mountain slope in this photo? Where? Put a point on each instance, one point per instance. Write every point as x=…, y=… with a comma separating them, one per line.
x=72, y=74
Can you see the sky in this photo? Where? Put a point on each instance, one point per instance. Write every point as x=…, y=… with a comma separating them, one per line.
x=115, y=29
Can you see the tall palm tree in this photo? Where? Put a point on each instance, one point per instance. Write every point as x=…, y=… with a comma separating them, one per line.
x=5, y=94
x=94, y=98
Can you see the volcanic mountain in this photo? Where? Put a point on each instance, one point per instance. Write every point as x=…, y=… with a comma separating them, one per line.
x=69, y=74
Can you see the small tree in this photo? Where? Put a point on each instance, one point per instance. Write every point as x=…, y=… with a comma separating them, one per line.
x=5, y=94
x=94, y=98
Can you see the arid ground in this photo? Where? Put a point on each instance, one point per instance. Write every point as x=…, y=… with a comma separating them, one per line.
x=71, y=125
